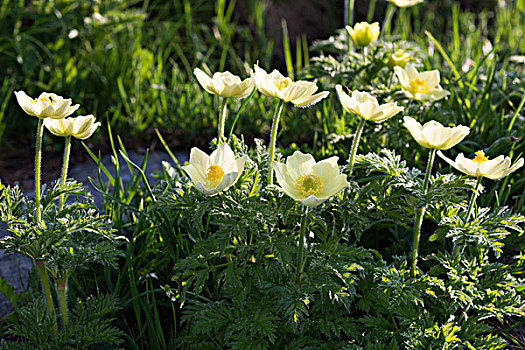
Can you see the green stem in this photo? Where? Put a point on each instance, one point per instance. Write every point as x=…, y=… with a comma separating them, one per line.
x=355, y=145
x=222, y=119
x=387, y=23
x=420, y=215
x=62, y=301
x=273, y=137
x=302, y=242
x=38, y=162
x=455, y=251
x=65, y=165
x=47, y=293
x=349, y=20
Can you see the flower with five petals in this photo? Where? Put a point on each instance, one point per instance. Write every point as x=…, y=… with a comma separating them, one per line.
x=224, y=84
x=366, y=106
x=47, y=105
x=423, y=86
x=80, y=127
x=434, y=135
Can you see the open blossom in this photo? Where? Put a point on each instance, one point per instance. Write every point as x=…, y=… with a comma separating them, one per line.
x=80, y=127
x=308, y=182
x=301, y=93
x=422, y=86
x=434, y=134
x=214, y=173
x=47, y=105
x=405, y=3
x=366, y=106
x=363, y=33
x=224, y=84
x=481, y=165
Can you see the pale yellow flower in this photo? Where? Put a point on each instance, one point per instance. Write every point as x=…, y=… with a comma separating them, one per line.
x=399, y=58
x=214, y=173
x=405, y=3
x=47, y=105
x=493, y=169
x=366, y=106
x=224, y=84
x=80, y=127
x=363, y=33
x=308, y=182
x=422, y=86
x=301, y=93
x=434, y=134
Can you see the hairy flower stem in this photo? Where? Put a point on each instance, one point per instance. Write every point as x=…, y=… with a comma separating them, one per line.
x=302, y=242
x=273, y=137
x=65, y=165
x=47, y=293
x=355, y=145
x=62, y=301
x=473, y=197
x=349, y=20
x=222, y=119
x=420, y=215
x=38, y=162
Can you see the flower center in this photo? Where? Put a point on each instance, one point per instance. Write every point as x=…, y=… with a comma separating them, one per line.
x=43, y=99
x=480, y=157
x=419, y=85
x=309, y=185
x=283, y=83
x=214, y=175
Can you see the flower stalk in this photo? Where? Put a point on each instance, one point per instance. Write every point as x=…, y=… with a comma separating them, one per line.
x=41, y=265
x=65, y=165
x=303, y=241
x=355, y=144
x=62, y=301
x=421, y=214
x=273, y=137
x=38, y=163
x=473, y=198
x=222, y=119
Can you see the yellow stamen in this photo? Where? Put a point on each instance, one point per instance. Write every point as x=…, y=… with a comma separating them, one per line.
x=480, y=157
x=283, y=83
x=419, y=85
x=43, y=99
x=309, y=185
x=214, y=175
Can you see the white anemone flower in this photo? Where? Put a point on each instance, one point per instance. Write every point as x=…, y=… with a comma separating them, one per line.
x=435, y=135
x=47, y=105
x=366, y=106
x=481, y=166
x=363, y=33
x=214, y=173
x=224, y=84
x=80, y=127
x=308, y=182
x=405, y=3
x=301, y=93
x=422, y=86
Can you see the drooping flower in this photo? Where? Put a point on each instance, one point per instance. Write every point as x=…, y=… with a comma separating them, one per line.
x=405, y=3
x=47, y=105
x=80, y=127
x=366, y=106
x=435, y=135
x=482, y=166
x=214, y=173
x=399, y=58
x=224, y=84
x=301, y=93
x=363, y=33
x=422, y=86
x=308, y=182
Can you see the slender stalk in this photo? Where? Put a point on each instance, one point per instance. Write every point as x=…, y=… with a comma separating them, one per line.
x=355, y=145
x=38, y=162
x=65, y=165
x=387, y=23
x=349, y=20
x=271, y=151
x=62, y=301
x=47, y=293
x=421, y=214
x=302, y=242
x=222, y=119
